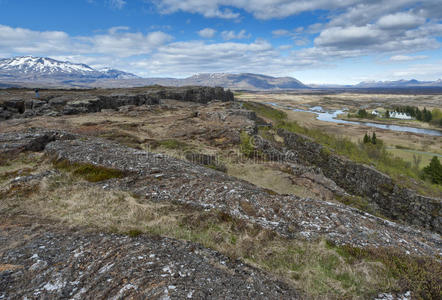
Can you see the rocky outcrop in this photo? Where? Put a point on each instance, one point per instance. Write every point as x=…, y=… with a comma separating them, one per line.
x=32, y=140
x=197, y=94
x=90, y=104
x=162, y=178
x=48, y=262
x=395, y=202
x=107, y=102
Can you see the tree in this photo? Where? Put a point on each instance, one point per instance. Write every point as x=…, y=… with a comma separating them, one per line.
x=366, y=139
x=426, y=115
x=419, y=116
x=433, y=171
x=373, y=138
x=362, y=113
x=387, y=114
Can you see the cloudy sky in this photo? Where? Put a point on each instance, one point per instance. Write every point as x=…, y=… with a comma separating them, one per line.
x=316, y=41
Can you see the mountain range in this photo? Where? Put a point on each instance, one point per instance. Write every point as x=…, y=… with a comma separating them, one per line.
x=29, y=71
x=399, y=83
x=42, y=68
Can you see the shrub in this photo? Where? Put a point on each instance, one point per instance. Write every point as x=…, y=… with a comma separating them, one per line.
x=433, y=171
x=246, y=146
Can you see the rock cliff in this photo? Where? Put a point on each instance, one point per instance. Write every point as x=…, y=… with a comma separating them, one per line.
x=89, y=103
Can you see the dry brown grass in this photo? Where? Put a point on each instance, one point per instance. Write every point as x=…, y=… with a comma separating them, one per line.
x=315, y=267
x=269, y=177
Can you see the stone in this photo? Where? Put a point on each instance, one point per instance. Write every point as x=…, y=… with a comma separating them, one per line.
x=15, y=105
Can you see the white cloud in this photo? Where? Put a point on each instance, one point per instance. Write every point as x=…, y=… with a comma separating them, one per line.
x=281, y=32
x=348, y=37
x=117, y=4
x=207, y=33
x=21, y=40
x=400, y=21
x=187, y=58
x=117, y=42
x=125, y=44
x=421, y=71
x=232, y=35
x=407, y=57
x=261, y=9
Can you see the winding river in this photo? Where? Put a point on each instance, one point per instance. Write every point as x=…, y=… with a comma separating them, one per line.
x=332, y=116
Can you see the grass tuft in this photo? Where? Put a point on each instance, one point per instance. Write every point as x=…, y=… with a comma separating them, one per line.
x=89, y=172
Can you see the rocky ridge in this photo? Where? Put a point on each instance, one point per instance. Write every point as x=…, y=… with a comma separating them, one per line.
x=187, y=183
x=44, y=261
x=65, y=105
x=395, y=202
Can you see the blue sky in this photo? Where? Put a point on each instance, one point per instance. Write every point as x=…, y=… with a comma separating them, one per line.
x=316, y=41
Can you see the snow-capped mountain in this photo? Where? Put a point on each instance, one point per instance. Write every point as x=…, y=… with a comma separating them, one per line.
x=36, y=68
x=117, y=74
x=399, y=84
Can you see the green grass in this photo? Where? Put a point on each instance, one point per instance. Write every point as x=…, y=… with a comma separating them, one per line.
x=265, y=111
x=89, y=172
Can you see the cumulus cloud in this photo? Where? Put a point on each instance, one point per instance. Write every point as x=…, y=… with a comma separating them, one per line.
x=21, y=40
x=125, y=44
x=187, y=58
x=117, y=41
x=207, y=33
x=261, y=9
x=348, y=37
x=407, y=57
x=400, y=21
x=232, y=35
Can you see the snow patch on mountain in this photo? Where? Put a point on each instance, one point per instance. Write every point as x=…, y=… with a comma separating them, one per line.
x=28, y=67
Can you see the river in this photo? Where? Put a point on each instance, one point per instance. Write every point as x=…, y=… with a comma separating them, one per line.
x=332, y=116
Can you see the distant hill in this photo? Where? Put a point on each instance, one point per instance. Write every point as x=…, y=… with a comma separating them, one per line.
x=242, y=81
x=246, y=81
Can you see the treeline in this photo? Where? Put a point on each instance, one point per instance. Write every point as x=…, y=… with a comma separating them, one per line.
x=413, y=111
x=434, y=116
x=363, y=114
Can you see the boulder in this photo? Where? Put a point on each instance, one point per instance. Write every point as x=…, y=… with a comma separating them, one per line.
x=17, y=106
x=4, y=114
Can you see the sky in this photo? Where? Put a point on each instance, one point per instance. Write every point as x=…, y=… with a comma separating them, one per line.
x=315, y=41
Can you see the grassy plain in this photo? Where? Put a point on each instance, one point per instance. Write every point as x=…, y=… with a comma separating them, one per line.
x=426, y=143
